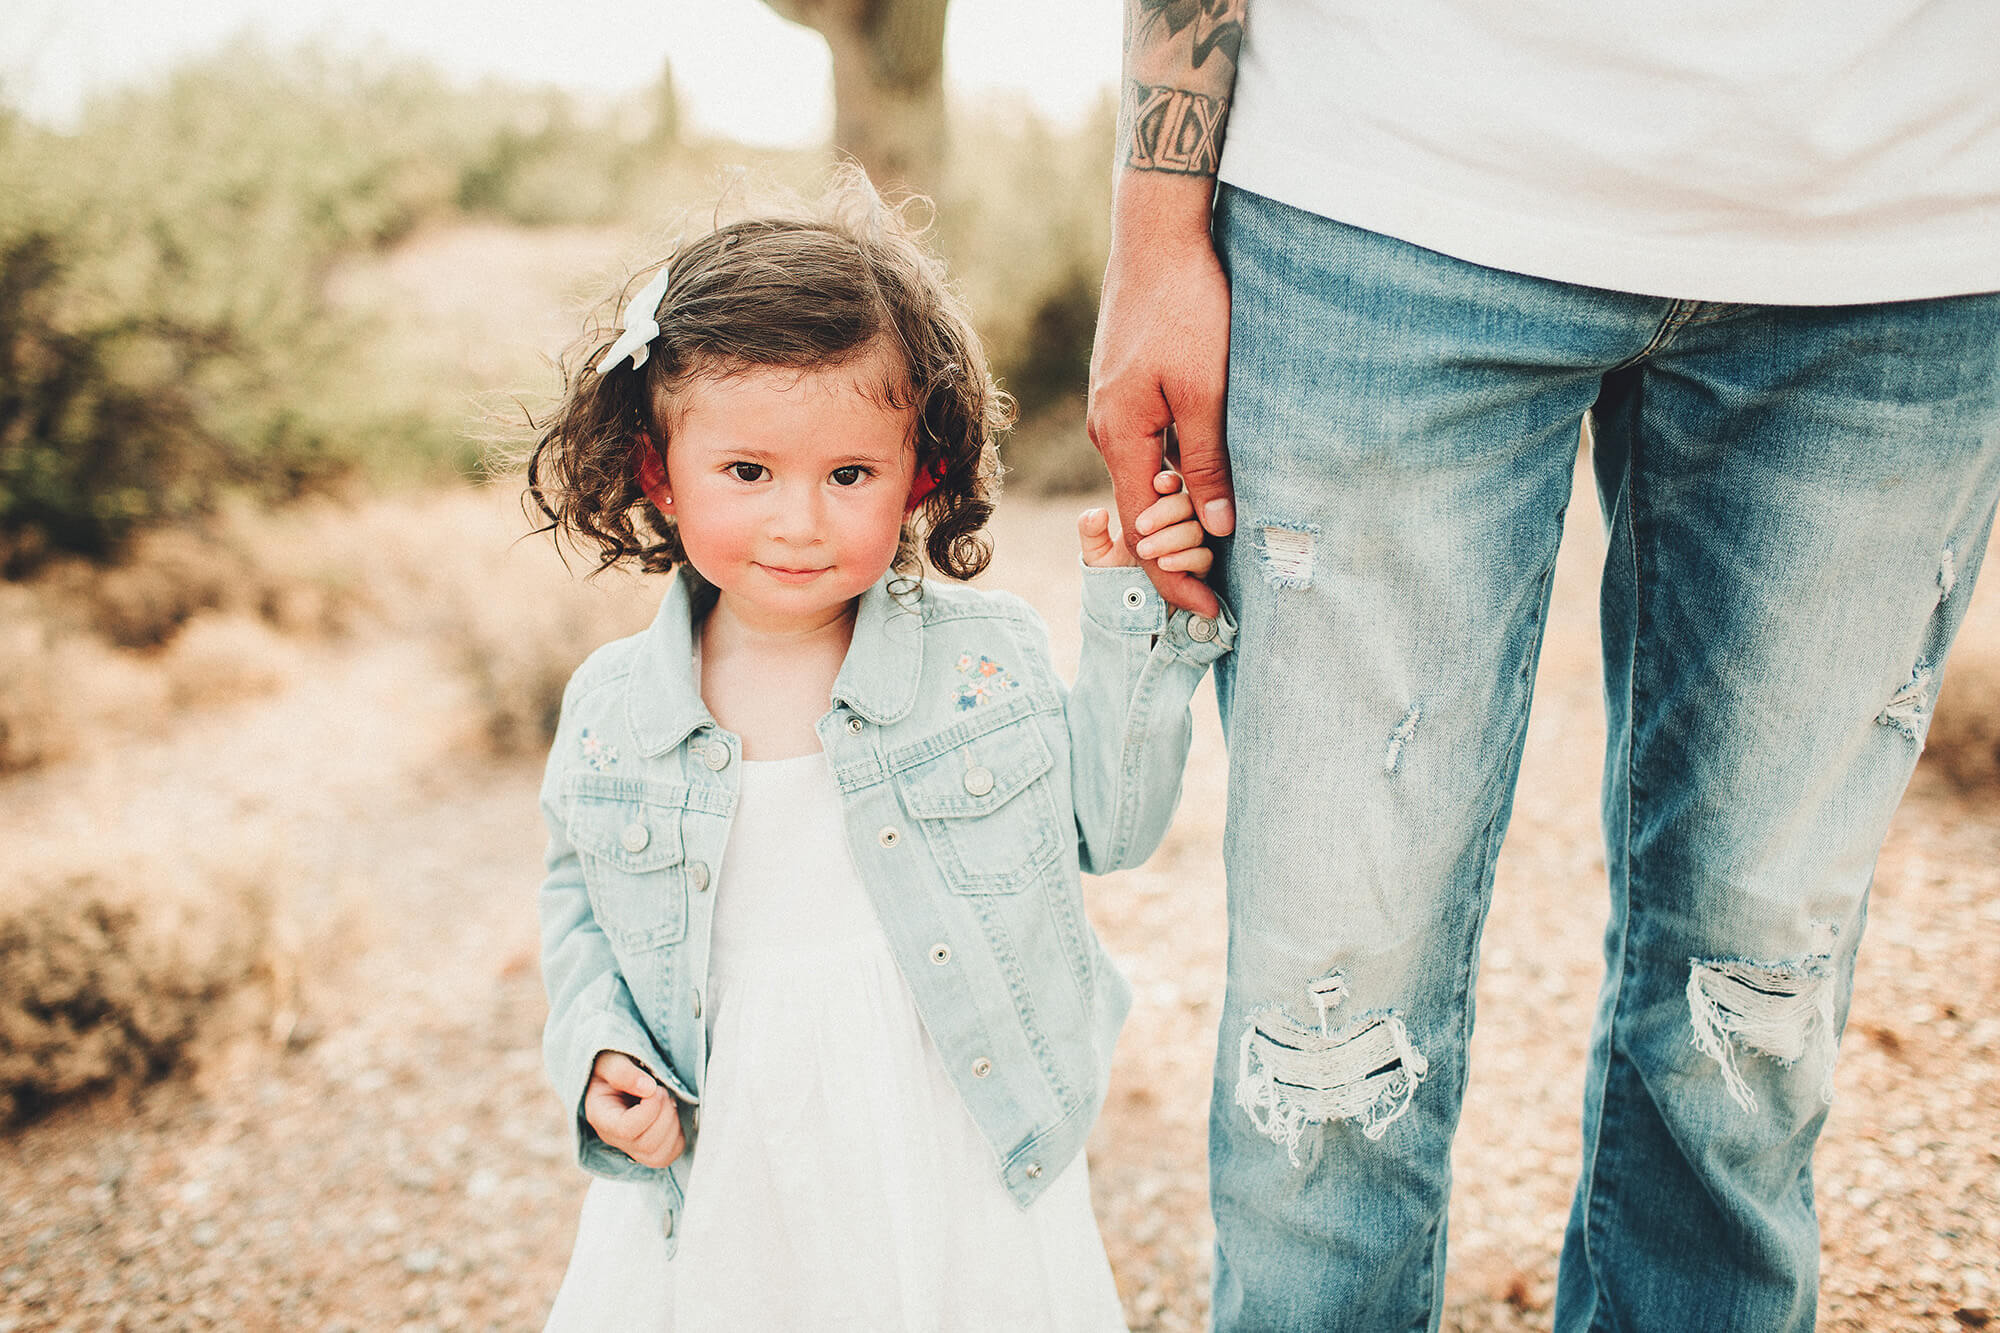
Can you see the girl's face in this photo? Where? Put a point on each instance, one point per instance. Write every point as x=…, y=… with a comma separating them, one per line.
x=789, y=488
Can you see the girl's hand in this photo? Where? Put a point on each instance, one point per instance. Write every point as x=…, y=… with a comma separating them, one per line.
x=1167, y=532
x=631, y=1111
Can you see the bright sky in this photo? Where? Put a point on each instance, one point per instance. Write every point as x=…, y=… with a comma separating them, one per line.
x=741, y=70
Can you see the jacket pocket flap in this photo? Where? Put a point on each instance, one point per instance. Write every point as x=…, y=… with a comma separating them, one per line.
x=979, y=776
x=626, y=822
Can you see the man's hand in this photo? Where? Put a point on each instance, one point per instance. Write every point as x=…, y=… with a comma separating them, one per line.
x=631, y=1111
x=1161, y=359
x=1168, y=534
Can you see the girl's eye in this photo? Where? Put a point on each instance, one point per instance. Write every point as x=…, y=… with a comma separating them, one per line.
x=849, y=475
x=747, y=471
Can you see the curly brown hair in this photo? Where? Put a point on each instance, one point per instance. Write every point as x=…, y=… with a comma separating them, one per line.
x=806, y=288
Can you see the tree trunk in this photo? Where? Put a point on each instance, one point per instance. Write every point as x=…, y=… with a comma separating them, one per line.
x=888, y=83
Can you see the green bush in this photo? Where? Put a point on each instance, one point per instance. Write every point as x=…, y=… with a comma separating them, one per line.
x=164, y=329
x=87, y=453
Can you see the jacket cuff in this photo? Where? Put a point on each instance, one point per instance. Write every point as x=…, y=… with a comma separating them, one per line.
x=1121, y=599
x=611, y=1032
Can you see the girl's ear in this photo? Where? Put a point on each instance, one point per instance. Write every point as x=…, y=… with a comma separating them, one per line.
x=652, y=472
x=922, y=485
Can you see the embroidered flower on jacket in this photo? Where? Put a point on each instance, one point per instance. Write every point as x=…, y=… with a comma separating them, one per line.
x=596, y=753
x=984, y=679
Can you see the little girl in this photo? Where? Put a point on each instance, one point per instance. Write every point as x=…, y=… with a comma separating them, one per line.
x=825, y=1011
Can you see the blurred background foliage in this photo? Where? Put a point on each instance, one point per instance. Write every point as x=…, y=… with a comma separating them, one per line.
x=168, y=334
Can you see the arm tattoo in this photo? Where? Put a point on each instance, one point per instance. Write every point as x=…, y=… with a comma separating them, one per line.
x=1173, y=129
x=1217, y=24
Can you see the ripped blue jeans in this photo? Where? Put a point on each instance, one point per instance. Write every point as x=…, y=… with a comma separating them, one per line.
x=1798, y=501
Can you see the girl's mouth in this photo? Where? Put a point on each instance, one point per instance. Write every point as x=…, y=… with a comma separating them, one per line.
x=784, y=575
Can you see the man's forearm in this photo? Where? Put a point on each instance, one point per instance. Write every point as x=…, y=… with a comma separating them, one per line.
x=1179, y=75
x=1160, y=366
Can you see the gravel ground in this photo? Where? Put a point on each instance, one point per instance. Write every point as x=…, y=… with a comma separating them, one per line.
x=395, y=1161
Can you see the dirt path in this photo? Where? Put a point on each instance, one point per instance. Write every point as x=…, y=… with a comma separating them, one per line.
x=399, y=1163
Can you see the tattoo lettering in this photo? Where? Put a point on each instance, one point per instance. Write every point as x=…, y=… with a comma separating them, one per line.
x=1217, y=24
x=1173, y=129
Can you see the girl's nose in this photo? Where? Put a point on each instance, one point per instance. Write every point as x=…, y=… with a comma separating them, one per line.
x=797, y=516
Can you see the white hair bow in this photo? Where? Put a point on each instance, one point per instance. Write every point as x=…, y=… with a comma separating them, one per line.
x=639, y=327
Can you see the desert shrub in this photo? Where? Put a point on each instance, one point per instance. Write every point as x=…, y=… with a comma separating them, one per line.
x=106, y=980
x=1024, y=218
x=517, y=630
x=162, y=581
x=98, y=431
x=517, y=672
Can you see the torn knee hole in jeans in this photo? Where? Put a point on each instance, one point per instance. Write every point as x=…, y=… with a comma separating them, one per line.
x=1783, y=1011
x=1293, y=1076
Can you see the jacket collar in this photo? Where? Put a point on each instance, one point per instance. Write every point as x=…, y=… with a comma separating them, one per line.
x=878, y=679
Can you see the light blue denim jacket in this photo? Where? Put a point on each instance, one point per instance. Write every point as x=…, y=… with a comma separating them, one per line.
x=975, y=786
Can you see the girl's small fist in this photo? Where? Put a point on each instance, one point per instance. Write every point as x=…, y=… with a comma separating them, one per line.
x=631, y=1111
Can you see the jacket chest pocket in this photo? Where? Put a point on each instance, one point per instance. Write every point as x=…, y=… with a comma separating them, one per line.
x=627, y=834
x=987, y=810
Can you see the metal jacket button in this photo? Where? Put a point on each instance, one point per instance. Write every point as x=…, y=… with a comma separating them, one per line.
x=717, y=757
x=699, y=870
x=1033, y=1171
x=1201, y=629
x=940, y=954
x=697, y=1003
x=981, y=1067
x=979, y=780
x=667, y=1223
x=854, y=726
x=1135, y=598
x=888, y=837
x=635, y=837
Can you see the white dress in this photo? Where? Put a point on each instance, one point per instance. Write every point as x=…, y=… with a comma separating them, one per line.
x=840, y=1183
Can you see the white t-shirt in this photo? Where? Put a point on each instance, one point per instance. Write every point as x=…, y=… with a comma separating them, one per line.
x=1811, y=152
